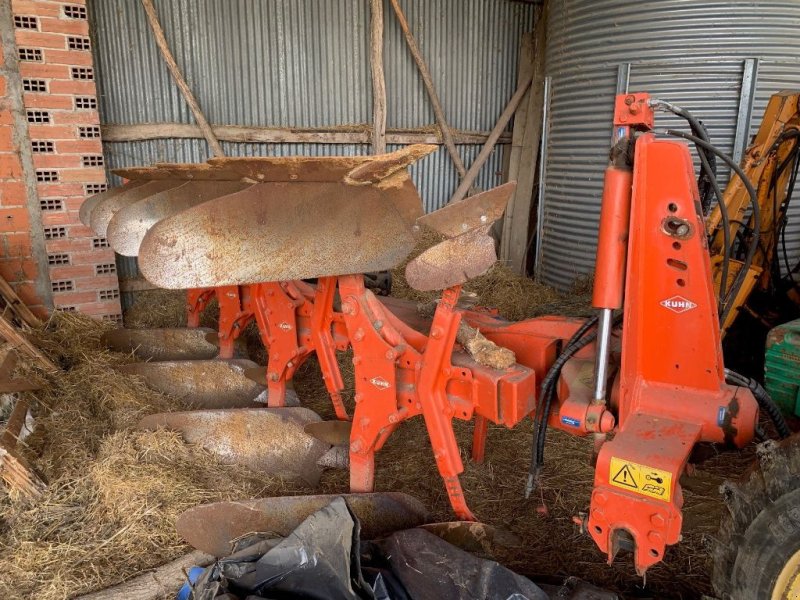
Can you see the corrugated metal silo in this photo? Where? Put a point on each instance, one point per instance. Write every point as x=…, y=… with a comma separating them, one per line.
x=719, y=59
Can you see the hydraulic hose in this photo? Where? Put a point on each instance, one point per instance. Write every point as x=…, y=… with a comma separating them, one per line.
x=753, y=202
x=765, y=402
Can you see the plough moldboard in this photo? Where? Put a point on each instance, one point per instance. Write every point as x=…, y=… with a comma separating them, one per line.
x=275, y=241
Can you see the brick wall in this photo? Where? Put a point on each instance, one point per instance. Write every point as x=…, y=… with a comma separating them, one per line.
x=60, y=103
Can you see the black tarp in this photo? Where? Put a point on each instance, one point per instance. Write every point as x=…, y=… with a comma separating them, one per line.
x=322, y=559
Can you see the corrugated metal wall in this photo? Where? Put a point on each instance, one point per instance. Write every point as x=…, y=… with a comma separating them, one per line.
x=690, y=53
x=304, y=63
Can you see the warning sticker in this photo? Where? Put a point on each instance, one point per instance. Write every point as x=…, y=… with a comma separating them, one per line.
x=640, y=479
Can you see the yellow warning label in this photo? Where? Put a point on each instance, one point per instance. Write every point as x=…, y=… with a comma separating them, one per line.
x=640, y=479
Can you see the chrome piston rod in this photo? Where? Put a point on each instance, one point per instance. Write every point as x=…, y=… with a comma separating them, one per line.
x=604, y=327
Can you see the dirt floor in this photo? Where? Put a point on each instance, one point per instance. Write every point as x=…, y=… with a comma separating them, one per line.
x=114, y=492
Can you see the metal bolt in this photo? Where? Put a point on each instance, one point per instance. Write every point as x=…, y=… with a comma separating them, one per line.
x=378, y=324
x=436, y=333
x=355, y=446
x=682, y=229
x=274, y=377
x=391, y=354
x=657, y=520
x=392, y=418
x=347, y=308
x=484, y=219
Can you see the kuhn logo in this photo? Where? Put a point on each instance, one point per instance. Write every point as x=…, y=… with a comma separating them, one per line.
x=379, y=382
x=678, y=304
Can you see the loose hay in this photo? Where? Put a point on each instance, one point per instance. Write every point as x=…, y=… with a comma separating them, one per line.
x=114, y=493
x=165, y=308
x=515, y=297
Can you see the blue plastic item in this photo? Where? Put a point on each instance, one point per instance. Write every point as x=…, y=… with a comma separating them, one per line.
x=186, y=590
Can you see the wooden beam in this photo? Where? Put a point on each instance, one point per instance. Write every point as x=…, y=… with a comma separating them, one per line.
x=162, y=582
x=427, y=80
x=378, y=80
x=517, y=139
x=491, y=141
x=166, y=54
x=518, y=214
x=18, y=307
x=19, y=342
x=359, y=134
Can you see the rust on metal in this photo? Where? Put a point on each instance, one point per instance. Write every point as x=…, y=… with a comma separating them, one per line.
x=102, y=213
x=335, y=433
x=129, y=225
x=182, y=171
x=383, y=166
x=201, y=383
x=212, y=527
x=257, y=374
x=88, y=205
x=280, y=232
x=177, y=343
x=472, y=536
x=289, y=169
x=453, y=261
x=268, y=440
x=476, y=211
x=338, y=457
x=142, y=174
x=324, y=168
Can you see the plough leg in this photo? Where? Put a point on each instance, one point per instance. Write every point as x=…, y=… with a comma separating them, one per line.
x=479, y=439
x=233, y=316
x=322, y=339
x=275, y=307
x=436, y=410
x=196, y=302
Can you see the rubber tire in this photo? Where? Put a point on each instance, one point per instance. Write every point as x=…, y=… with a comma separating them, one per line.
x=762, y=528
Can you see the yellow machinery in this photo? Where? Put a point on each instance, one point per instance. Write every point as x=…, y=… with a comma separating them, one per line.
x=770, y=164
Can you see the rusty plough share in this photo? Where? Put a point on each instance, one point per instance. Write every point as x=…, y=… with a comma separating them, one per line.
x=332, y=219
x=324, y=218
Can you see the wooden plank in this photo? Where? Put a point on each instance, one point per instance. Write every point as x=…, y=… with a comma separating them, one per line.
x=14, y=337
x=519, y=222
x=273, y=135
x=162, y=582
x=18, y=385
x=18, y=476
x=19, y=308
x=378, y=80
x=491, y=141
x=15, y=423
x=166, y=54
x=427, y=80
x=517, y=139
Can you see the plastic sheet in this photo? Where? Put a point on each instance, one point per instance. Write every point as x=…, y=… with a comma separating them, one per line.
x=322, y=559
